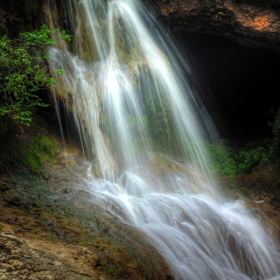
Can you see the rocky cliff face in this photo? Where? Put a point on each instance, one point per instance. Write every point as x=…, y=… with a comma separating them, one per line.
x=249, y=22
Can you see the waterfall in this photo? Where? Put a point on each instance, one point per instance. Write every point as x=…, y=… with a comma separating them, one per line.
x=139, y=118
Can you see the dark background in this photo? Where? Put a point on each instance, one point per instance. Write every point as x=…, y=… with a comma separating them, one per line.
x=239, y=85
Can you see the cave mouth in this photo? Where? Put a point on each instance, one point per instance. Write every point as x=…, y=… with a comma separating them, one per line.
x=238, y=85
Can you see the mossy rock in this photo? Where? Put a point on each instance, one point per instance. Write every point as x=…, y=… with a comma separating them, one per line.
x=34, y=150
x=162, y=164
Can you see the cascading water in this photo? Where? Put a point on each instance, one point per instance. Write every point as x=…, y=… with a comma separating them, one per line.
x=130, y=99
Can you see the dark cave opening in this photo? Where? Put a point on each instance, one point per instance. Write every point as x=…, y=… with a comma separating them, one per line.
x=238, y=85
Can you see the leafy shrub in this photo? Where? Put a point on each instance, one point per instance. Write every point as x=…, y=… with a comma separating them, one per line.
x=227, y=161
x=250, y=158
x=222, y=158
x=22, y=72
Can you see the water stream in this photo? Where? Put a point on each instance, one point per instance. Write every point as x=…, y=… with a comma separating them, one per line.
x=136, y=112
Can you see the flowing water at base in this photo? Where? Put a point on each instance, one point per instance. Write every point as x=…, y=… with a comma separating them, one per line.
x=131, y=100
x=200, y=237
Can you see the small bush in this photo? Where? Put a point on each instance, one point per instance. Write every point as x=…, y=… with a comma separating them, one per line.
x=223, y=158
x=250, y=158
x=230, y=162
x=22, y=72
x=227, y=161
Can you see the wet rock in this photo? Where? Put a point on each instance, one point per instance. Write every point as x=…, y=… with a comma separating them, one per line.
x=11, y=196
x=77, y=244
x=19, y=261
x=9, y=193
x=4, y=184
x=260, y=192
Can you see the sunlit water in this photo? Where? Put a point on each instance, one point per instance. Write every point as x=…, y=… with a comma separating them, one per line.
x=130, y=97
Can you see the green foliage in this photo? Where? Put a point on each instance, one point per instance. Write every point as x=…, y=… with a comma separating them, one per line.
x=275, y=125
x=274, y=143
x=251, y=157
x=223, y=158
x=22, y=72
x=227, y=161
x=230, y=162
x=43, y=37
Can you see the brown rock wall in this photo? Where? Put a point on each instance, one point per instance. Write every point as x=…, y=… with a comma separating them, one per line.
x=247, y=22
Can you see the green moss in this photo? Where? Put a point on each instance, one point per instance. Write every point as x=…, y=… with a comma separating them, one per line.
x=23, y=152
x=33, y=152
x=1, y=228
x=46, y=146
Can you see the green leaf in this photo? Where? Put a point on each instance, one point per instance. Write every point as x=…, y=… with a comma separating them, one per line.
x=21, y=75
x=59, y=71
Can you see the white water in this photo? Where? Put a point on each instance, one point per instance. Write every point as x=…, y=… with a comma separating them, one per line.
x=126, y=89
